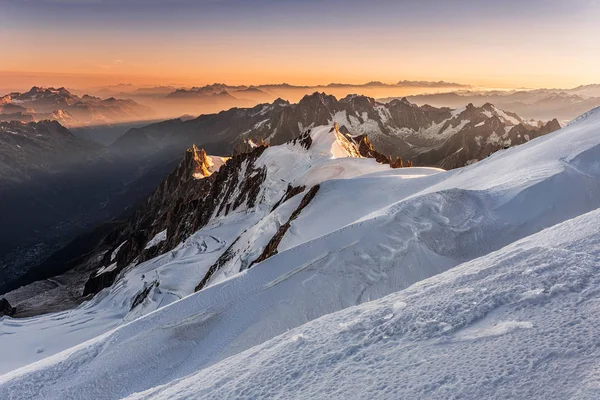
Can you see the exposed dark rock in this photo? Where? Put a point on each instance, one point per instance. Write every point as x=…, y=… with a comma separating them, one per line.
x=305, y=140
x=97, y=282
x=290, y=192
x=409, y=115
x=141, y=296
x=271, y=247
x=478, y=139
x=397, y=163
x=549, y=127
x=6, y=308
x=366, y=149
x=247, y=145
x=221, y=261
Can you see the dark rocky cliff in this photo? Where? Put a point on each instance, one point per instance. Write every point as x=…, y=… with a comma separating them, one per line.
x=181, y=205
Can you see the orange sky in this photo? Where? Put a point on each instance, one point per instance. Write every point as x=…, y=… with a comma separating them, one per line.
x=76, y=45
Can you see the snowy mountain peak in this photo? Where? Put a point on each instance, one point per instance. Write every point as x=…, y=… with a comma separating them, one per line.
x=207, y=190
x=402, y=103
x=327, y=141
x=488, y=113
x=37, y=92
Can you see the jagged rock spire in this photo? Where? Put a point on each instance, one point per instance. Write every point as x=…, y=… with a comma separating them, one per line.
x=396, y=163
x=202, y=162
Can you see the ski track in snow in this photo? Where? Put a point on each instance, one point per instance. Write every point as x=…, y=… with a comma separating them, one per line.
x=360, y=239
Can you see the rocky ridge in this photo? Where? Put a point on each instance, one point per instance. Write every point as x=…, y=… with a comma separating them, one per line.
x=427, y=135
x=195, y=194
x=181, y=205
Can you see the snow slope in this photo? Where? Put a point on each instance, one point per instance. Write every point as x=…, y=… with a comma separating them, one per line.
x=179, y=271
x=521, y=322
x=360, y=239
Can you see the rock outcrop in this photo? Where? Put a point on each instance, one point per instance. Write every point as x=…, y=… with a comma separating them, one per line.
x=202, y=162
x=366, y=149
x=396, y=163
x=271, y=247
x=6, y=308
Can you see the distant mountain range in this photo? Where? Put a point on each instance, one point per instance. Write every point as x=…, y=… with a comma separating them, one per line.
x=69, y=109
x=539, y=104
x=172, y=101
x=128, y=89
x=592, y=90
x=220, y=91
x=427, y=135
x=563, y=104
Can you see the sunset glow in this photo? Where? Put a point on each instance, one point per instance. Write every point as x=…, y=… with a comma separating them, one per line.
x=492, y=44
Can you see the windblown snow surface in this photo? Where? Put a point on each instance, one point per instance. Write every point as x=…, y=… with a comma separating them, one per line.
x=519, y=323
x=490, y=273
